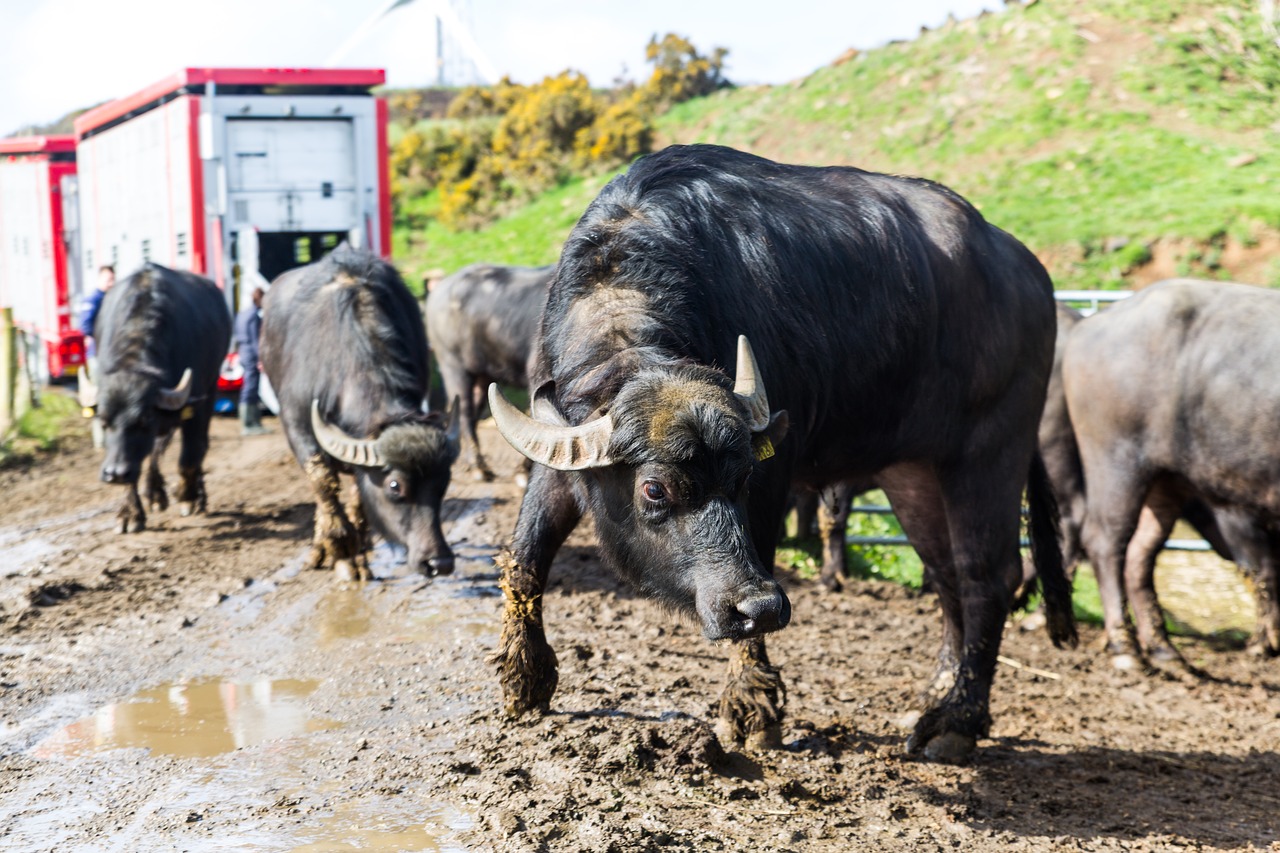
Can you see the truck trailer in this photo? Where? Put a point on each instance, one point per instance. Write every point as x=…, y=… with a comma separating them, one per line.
x=37, y=213
x=235, y=173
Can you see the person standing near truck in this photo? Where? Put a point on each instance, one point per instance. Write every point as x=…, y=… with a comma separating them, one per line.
x=247, y=329
x=92, y=304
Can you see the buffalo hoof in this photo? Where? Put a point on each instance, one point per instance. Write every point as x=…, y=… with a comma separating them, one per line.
x=522, y=481
x=1126, y=662
x=482, y=475
x=832, y=582
x=345, y=570
x=1262, y=649
x=950, y=748
x=187, y=509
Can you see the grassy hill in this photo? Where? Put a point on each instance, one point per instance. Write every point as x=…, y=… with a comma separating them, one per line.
x=1122, y=141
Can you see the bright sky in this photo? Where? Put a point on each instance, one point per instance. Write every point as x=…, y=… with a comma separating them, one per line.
x=59, y=55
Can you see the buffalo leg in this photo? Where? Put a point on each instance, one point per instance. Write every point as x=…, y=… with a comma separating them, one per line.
x=195, y=444
x=833, y=521
x=1114, y=504
x=334, y=541
x=131, y=515
x=462, y=385
x=916, y=497
x=982, y=498
x=360, y=524
x=527, y=666
x=1253, y=548
x=751, y=704
x=1155, y=520
x=156, y=498
x=1266, y=638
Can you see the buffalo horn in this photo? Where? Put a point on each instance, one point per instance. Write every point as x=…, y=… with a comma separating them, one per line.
x=564, y=448
x=173, y=399
x=344, y=448
x=749, y=387
x=87, y=390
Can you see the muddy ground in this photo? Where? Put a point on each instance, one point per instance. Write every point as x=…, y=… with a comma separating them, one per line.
x=190, y=688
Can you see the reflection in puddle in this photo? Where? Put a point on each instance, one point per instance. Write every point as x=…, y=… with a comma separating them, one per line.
x=192, y=720
x=386, y=825
x=344, y=613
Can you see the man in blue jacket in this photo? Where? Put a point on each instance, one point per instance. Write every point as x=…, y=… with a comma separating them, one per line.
x=247, y=328
x=92, y=303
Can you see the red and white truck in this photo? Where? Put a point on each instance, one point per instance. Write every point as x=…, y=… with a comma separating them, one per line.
x=37, y=214
x=235, y=173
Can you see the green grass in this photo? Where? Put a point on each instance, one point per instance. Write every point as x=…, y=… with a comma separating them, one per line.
x=41, y=429
x=531, y=236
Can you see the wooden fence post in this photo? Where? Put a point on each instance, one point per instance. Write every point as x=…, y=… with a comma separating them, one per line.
x=8, y=369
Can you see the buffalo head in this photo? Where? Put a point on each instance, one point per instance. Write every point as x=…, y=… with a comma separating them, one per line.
x=666, y=469
x=402, y=473
x=134, y=409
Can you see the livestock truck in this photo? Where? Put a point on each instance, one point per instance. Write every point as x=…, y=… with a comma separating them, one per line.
x=235, y=173
x=37, y=216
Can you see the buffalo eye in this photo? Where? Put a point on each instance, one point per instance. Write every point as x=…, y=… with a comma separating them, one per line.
x=655, y=494
x=394, y=489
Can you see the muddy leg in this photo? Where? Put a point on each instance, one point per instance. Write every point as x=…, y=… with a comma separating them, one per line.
x=1256, y=550
x=1155, y=520
x=360, y=523
x=751, y=704
x=1266, y=637
x=157, y=500
x=527, y=667
x=334, y=542
x=132, y=517
x=833, y=521
x=191, y=495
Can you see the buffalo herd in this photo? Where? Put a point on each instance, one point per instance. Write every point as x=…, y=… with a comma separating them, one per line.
x=723, y=333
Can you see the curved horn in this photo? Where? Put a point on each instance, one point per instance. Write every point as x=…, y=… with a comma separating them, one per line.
x=86, y=389
x=173, y=399
x=564, y=448
x=749, y=387
x=344, y=448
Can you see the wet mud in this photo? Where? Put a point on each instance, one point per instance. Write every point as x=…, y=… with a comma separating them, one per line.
x=193, y=688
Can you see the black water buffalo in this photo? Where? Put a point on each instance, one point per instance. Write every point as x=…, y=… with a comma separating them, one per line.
x=481, y=323
x=901, y=341
x=161, y=337
x=1173, y=410
x=346, y=351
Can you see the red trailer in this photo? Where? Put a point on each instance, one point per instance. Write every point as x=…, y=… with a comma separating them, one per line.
x=235, y=173
x=37, y=175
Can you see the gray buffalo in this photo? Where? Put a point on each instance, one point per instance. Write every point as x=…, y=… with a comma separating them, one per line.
x=1173, y=411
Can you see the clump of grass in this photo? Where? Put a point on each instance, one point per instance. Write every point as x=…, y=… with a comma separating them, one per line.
x=43, y=428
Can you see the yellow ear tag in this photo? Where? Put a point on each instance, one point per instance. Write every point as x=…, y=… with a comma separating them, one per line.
x=87, y=412
x=763, y=447
x=188, y=412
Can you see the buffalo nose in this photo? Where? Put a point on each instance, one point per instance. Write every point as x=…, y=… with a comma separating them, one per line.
x=767, y=610
x=441, y=565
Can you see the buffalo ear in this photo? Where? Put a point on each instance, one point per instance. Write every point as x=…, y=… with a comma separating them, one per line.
x=543, y=405
x=762, y=443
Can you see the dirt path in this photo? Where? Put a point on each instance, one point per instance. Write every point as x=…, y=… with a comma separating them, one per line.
x=189, y=688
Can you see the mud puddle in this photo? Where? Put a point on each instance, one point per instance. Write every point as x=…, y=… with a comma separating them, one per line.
x=200, y=719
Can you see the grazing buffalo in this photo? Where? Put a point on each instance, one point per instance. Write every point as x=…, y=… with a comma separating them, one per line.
x=161, y=337
x=721, y=326
x=481, y=323
x=346, y=351
x=1173, y=415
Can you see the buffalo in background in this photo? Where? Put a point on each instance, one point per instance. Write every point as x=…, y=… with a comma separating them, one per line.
x=901, y=341
x=481, y=323
x=1173, y=402
x=344, y=346
x=161, y=337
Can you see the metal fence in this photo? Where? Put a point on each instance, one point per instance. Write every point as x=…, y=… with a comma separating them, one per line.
x=1088, y=302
